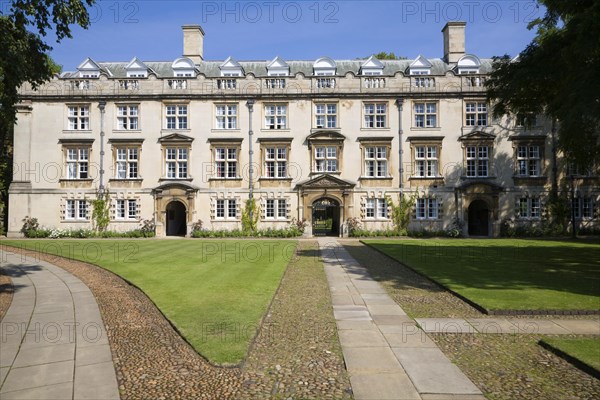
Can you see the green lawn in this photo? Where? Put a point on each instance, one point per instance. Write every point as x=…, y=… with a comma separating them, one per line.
x=215, y=292
x=586, y=350
x=505, y=274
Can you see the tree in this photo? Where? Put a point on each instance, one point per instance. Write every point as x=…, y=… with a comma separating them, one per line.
x=23, y=58
x=382, y=55
x=557, y=75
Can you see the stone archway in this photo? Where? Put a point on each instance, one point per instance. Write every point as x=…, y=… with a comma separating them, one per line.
x=479, y=218
x=326, y=217
x=176, y=219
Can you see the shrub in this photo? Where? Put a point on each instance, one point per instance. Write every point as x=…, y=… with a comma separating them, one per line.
x=197, y=226
x=402, y=211
x=250, y=215
x=147, y=228
x=455, y=230
x=29, y=224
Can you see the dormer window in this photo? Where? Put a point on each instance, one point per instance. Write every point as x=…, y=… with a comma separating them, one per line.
x=371, y=67
x=230, y=67
x=421, y=66
x=88, y=69
x=136, y=69
x=184, y=68
x=468, y=64
x=324, y=66
x=278, y=67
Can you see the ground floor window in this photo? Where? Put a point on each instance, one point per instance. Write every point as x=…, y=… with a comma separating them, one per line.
x=584, y=207
x=226, y=209
x=528, y=207
x=76, y=210
x=376, y=208
x=275, y=209
x=427, y=208
x=126, y=209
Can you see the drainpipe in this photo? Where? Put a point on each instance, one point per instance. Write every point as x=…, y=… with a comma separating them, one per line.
x=250, y=105
x=102, y=107
x=400, y=103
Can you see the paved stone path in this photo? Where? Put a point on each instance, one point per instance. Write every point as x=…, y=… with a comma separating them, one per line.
x=53, y=343
x=387, y=355
x=511, y=326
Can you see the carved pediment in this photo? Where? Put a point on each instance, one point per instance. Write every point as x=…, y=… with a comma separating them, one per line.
x=176, y=137
x=183, y=186
x=481, y=186
x=325, y=135
x=477, y=135
x=326, y=181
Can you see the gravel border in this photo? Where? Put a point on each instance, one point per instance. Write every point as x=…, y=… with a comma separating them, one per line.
x=296, y=353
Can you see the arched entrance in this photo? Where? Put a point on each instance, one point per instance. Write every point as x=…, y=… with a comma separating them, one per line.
x=326, y=217
x=479, y=218
x=176, y=219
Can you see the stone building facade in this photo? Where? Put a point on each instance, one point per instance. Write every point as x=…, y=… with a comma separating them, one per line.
x=327, y=140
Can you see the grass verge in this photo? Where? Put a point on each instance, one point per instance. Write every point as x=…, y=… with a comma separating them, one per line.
x=214, y=292
x=507, y=274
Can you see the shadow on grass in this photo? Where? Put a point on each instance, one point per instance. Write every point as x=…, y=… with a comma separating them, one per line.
x=498, y=269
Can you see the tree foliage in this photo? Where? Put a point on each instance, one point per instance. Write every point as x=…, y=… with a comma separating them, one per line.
x=382, y=55
x=24, y=58
x=558, y=75
x=24, y=50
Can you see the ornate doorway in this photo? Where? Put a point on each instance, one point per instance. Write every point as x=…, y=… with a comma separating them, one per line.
x=176, y=219
x=479, y=218
x=326, y=217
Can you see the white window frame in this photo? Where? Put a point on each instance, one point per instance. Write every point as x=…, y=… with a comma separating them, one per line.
x=375, y=115
x=425, y=113
x=275, y=209
x=326, y=115
x=476, y=113
x=427, y=208
x=276, y=116
x=176, y=117
x=326, y=157
x=376, y=208
x=226, y=162
x=530, y=207
x=276, y=161
x=78, y=117
x=477, y=159
x=529, y=160
x=584, y=207
x=127, y=162
x=226, y=116
x=76, y=210
x=376, y=161
x=77, y=162
x=126, y=209
x=176, y=160
x=128, y=117
x=427, y=161
x=226, y=209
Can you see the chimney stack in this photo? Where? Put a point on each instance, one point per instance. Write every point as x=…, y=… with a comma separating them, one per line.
x=193, y=42
x=454, y=41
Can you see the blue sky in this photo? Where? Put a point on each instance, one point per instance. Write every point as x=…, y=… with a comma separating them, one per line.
x=260, y=30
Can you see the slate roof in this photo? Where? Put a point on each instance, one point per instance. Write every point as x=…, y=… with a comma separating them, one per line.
x=210, y=69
